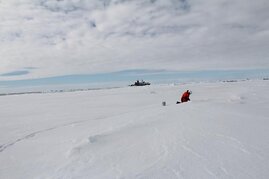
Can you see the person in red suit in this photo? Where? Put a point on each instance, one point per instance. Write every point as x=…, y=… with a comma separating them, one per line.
x=186, y=96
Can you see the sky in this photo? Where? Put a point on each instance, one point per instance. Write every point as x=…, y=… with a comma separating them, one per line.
x=126, y=78
x=50, y=38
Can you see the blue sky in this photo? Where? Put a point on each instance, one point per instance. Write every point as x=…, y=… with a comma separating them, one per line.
x=124, y=78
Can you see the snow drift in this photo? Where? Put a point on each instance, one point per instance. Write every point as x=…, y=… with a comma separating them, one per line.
x=127, y=133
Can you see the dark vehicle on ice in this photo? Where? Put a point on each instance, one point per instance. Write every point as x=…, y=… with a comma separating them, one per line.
x=140, y=83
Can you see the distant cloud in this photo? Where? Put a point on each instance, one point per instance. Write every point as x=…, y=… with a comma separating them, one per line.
x=88, y=36
x=29, y=68
x=16, y=73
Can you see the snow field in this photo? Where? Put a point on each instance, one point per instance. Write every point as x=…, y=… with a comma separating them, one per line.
x=127, y=133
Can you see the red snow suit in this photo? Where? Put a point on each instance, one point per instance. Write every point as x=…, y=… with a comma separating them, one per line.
x=185, y=97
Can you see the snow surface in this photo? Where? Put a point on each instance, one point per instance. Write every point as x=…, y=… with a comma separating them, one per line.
x=127, y=133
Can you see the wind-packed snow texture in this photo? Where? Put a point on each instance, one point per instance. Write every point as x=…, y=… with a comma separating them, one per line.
x=127, y=133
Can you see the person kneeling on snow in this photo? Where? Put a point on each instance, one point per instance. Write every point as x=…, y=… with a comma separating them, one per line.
x=186, y=96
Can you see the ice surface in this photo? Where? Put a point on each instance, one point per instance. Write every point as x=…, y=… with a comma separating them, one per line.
x=127, y=133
